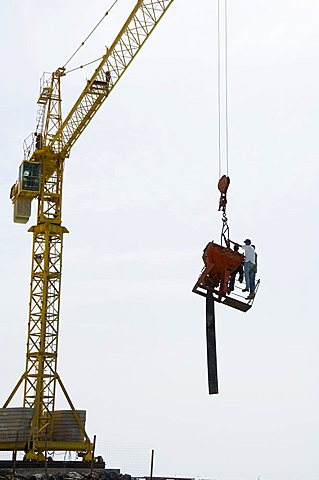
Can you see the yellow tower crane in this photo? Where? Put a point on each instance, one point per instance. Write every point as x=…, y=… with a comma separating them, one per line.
x=41, y=178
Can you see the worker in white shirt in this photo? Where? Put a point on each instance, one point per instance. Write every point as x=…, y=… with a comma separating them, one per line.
x=250, y=260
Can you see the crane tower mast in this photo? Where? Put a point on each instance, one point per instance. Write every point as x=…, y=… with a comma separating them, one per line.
x=41, y=178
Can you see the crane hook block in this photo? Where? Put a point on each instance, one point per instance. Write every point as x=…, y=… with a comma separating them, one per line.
x=223, y=185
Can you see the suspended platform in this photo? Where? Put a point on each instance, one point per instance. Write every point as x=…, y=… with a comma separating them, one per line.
x=234, y=299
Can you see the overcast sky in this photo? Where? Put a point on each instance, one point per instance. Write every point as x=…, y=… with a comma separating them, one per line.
x=140, y=202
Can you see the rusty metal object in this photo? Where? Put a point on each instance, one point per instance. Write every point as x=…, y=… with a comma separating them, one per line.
x=220, y=262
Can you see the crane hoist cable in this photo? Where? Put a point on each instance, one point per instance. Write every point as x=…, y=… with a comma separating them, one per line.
x=223, y=129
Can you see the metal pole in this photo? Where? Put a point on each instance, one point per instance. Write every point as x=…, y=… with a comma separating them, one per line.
x=46, y=453
x=14, y=456
x=152, y=463
x=93, y=452
x=211, y=345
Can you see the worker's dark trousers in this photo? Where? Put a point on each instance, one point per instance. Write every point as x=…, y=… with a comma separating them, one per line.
x=247, y=267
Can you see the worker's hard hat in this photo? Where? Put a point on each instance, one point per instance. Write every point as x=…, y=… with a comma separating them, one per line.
x=247, y=241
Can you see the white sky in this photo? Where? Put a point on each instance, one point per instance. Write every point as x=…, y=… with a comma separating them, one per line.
x=141, y=203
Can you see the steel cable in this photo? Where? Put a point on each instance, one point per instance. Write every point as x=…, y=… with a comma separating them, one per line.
x=223, y=130
x=92, y=31
x=226, y=88
x=223, y=150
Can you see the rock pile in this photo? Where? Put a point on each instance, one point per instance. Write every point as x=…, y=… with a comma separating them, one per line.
x=103, y=475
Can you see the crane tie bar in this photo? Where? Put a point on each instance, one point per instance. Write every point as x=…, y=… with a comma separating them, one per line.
x=82, y=66
x=92, y=31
